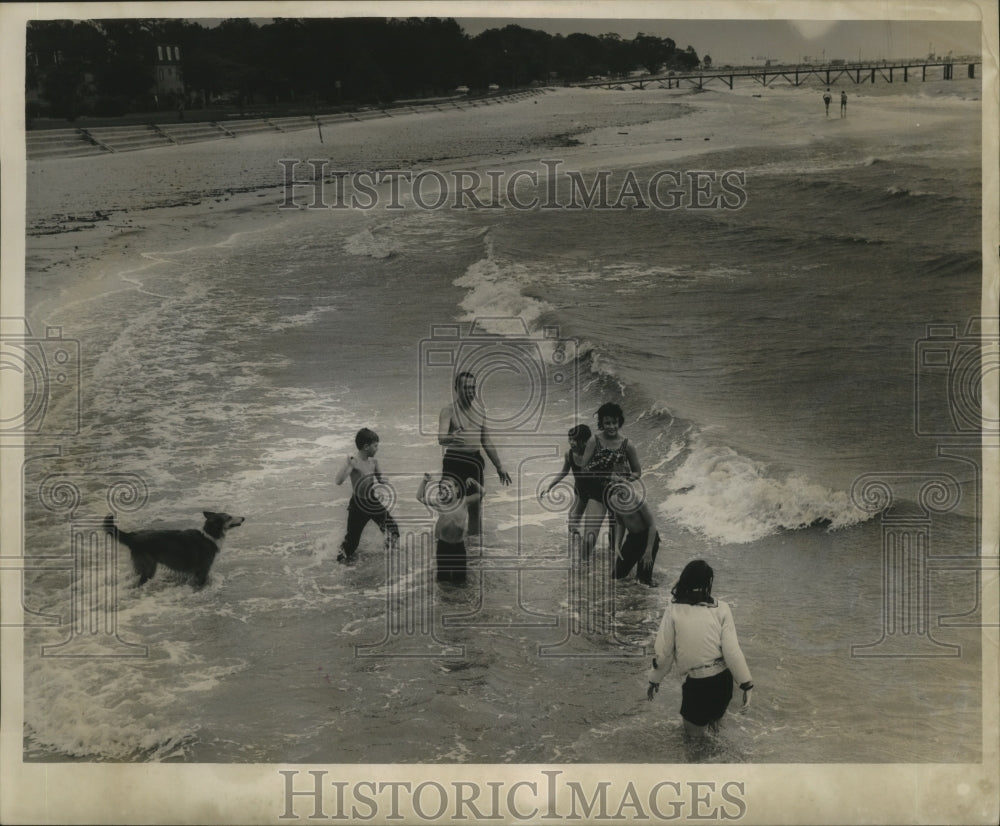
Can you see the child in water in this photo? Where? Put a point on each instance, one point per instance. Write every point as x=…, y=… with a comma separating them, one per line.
x=635, y=540
x=452, y=505
x=698, y=634
x=573, y=462
x=364, y=505
x=608, y=453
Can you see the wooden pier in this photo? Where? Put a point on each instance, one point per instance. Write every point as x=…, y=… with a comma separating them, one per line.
x=859, y=73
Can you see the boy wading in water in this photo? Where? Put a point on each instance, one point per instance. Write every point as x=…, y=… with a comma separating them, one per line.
x=364, y=506
x=636, y=526
x=452, y=505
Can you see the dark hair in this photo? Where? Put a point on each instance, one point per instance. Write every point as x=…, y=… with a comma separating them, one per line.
x=580, y=433
x=610, y=409
x=694, y=584
x=462, y=375
x=365, y=437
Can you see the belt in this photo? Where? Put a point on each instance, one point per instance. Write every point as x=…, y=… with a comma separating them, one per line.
x=702, y=671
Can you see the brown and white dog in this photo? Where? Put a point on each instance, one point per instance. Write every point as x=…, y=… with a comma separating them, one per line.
x=188, y=551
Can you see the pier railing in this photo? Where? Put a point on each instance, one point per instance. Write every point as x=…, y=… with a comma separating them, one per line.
x=857, y=73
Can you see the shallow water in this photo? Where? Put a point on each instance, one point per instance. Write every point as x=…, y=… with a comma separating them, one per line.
x=764, y=358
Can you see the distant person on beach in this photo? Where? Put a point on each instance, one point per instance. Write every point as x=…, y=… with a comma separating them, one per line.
x=697, y=634
x=636, y=540
x=462, y=431
x=827, y=97
x=843, y=104
x=452, y=503
x=364, y=505
x=573, y=463
x=606, y=453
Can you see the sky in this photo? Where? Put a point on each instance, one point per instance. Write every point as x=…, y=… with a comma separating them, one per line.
x=745, y=41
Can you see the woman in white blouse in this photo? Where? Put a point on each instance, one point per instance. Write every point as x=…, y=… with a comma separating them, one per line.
x=697, y=634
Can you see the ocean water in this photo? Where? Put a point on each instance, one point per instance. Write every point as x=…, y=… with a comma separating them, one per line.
x=765, y=360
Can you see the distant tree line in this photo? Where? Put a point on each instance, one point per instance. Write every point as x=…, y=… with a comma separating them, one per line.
x=107, y=66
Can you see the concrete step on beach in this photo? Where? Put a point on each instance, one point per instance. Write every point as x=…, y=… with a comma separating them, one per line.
x=129, y=138
x=340, y=117
x=193, y=132
x=354, y=117
x=294, y=124
x=55, y=143
x=369, y=114
x=60, y=143
x=248, y=127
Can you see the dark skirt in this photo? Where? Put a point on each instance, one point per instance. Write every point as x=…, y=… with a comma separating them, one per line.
x=705, y=700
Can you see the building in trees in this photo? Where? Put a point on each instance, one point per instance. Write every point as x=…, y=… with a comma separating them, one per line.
x=168, y=78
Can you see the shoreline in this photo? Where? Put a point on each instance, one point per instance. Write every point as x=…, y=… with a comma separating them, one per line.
x=241, y=191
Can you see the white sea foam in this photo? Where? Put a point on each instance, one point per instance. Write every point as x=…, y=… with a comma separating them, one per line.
x=495, y=292
x=123, y=707
x=366, y=244
x=303, y=319
x=603, y=369
x=731, y=498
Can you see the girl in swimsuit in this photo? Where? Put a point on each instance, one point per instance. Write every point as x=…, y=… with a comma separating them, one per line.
x=579, y=436
x=608, y=453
